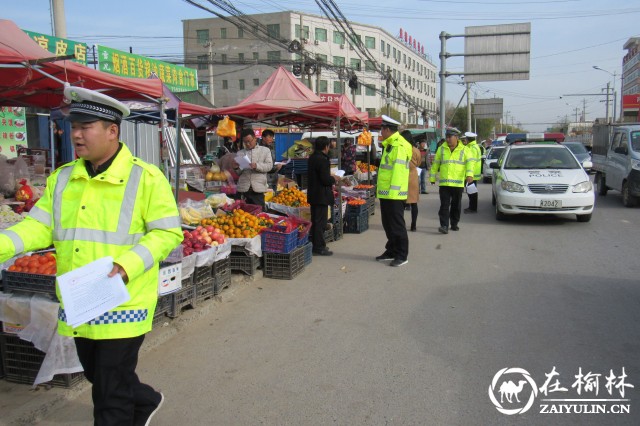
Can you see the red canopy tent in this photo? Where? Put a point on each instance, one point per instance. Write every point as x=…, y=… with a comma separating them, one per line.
x=350, y=115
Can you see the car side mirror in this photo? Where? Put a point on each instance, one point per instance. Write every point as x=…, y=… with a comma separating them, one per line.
x=587, y=165
x=621, y=150
x=494, y=165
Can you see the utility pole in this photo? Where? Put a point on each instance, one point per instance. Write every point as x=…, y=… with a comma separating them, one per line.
x=468, y=108
x=59, y=20
x=209, y=45
x=318, y=68
x=302, y=55
x=607, y=101
x=388, y=89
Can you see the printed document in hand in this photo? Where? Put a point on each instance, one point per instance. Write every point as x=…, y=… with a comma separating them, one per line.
x=243, y=161
x=472, y=188
x=282, y=163
x=87, y=292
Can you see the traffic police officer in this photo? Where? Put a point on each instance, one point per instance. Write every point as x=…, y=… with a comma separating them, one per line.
x=452, y=164
x=106, y=203
x=475, y=157
x=392, y=190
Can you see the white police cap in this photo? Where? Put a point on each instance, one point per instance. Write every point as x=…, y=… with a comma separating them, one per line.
x=388, y=121
x=470, y=135
x=89, y=105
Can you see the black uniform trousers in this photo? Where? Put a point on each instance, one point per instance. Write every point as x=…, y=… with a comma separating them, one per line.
x=118, y=396
x=392, y=215
x=450, y=205
x=319, y=214
x=473, y=199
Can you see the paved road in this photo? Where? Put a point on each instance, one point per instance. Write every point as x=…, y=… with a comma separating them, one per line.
x=355, y=342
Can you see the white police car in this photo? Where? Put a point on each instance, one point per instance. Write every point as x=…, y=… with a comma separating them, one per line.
x=541, y=178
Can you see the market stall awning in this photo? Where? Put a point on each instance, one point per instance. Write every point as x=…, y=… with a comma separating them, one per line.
x=29, y=76
x=350, y=115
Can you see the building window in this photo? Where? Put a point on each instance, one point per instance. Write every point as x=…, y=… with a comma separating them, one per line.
x=371, y=112
x=394, y=53
x=223, y=33
x=273, y=30
x=338, y=61
x=369, y=90
x=305, y=32
x=241, y=57
x=240, y=33
x=241, y=84
x=223, y=58
x=324, y=86
x=357, y=90
x=369, y=66
x=256, y=82
x=338, y=37
x=382, y=67
x=273, y=56
x=203, y=37
x=356, y=64
x=321, y=34
x=338, y=87
x=404, y=59
x=369, y=42
x=204, y=87
x=256, y=56
x=382, y=46
x=203, y=62
x=321, y=58
x=225, y=84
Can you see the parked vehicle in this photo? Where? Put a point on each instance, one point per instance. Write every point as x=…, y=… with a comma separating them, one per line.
x=580, y=151
x=616, y=160
x=493, y=154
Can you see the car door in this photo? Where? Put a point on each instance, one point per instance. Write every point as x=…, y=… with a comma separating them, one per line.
x=616, y=166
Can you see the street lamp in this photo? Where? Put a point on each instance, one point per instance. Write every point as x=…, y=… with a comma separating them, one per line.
x=615, y=98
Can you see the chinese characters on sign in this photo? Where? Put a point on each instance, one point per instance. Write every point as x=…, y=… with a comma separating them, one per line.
x=60, y=46
x=13, y=130
x=177, y=78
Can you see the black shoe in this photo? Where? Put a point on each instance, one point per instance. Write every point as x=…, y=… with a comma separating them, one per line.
x=407, y=207
x=455, y=228
x=413, y=229
x=384, y=257
x=399, y=262
x=324, y=252
x=443, y=230
x=148, y=420
x=470, y=211
x=424, y=192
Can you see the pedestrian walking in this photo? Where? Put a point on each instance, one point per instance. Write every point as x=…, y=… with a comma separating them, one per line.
x=424, y=166
x=452, y=164
x=413, y=195
x=475, y=155
x=252, y=183
x=392, y=191
x=320, y=194
x=106, y=203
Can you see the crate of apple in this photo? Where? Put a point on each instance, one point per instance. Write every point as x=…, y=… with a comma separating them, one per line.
x=201, y=238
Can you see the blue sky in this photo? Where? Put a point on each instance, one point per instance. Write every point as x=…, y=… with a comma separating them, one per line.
x=568, y=38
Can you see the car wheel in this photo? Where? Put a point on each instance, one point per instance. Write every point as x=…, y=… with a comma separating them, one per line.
x=499, y=215
x=628, y=200
x=493, y=199
x=600, y=184
x=584, y=217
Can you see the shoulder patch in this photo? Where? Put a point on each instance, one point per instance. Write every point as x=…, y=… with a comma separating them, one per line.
x=149, y=168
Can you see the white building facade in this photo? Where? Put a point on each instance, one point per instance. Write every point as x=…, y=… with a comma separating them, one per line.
x=241, y=58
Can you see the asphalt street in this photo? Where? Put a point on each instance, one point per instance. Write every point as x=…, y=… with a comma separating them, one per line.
x=353, y=341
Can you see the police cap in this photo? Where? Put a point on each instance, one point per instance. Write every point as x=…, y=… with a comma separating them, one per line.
x=88, y=106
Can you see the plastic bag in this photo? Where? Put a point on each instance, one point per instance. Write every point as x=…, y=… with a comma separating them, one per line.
x=226, y=128
x=192, y=212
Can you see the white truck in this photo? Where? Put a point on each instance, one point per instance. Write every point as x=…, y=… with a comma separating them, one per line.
x=616, y=160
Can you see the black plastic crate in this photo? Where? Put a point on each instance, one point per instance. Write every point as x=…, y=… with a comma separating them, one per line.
x=244, y=262
x=184, y=298
x=356, y=210
x=308, y=253
x=328, y=235
x=221, y=275
x=357, y=224
x=284, y=266
x=201, y=274
x=204, y=289
x=338, y=232
x=21, y=362
x=371, y=206
x=32, y=283
x=164, y=305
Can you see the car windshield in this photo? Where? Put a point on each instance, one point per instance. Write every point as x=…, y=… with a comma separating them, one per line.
x=576, y=148
x=495, y=153
x=635, y=141
x=541, y=158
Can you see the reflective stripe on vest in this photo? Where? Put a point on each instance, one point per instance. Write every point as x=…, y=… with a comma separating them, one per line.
x=165, y=223
x=145, y=255
x=121, y=236
x=40, y=215
x=386, y=167
x=395, y=187
x=112, y=317
x=451, y=181
x=383, y=191
x=15, y=239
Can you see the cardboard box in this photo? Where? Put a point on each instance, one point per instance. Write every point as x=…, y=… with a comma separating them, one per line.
x=169, y=279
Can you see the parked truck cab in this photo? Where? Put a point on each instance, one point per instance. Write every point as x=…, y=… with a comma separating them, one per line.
x=616, y=160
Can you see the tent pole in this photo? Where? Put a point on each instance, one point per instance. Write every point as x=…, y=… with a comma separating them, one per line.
x=53, y=143
x=178, y=153
x=339, y=143
x=136, y=147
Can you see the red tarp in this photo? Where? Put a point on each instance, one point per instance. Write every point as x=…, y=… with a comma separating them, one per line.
x=21, y=84
x=283, y=100
x=350, y=115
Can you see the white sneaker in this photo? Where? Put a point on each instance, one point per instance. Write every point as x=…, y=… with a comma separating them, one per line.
x=156, y=410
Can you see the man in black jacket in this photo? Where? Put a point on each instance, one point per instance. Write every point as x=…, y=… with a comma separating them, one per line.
x=320, y=194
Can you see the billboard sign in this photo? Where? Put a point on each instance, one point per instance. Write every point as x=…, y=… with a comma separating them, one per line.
x=60, y=46
x=13, y=130
x=488, y=108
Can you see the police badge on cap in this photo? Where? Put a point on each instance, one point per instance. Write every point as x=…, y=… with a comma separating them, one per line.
x=89, y=105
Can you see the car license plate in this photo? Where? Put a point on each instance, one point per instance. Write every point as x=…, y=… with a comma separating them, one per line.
x=552, y=204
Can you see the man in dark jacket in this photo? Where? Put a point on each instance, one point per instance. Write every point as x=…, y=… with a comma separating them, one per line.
x=320, y=194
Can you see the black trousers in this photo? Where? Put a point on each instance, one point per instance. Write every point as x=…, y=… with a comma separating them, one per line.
x=118, y=396
x=473, y=199
x=450, y=205
x=319, y=213
x=414, y=214
x=252, y=197
x=392, y=215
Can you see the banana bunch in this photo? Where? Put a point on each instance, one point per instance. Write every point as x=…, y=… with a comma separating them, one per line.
x=190, y=216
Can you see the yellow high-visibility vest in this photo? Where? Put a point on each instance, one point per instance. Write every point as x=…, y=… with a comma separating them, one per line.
x=393, y=174
x=451, y=166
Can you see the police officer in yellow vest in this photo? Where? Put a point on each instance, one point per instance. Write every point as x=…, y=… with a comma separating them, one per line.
x=393, y=188
x=106, y=203
x=475, y=157
x=452, y=164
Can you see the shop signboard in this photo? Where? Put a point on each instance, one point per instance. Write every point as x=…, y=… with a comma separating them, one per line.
x=123, y=64
x=60, y=46
x=13, y=130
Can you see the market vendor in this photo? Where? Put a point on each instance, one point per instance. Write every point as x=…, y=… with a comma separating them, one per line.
x=106, y=203
x=252, y=183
